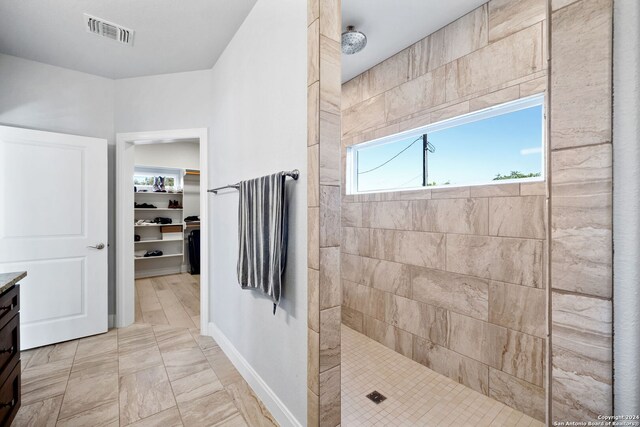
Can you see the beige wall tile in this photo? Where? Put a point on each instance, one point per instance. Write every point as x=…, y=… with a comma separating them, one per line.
x=558, y=4
x=420, y=319
x=494, y=98
x=313, y=408
x=352, y=318
x=313, y=52
x=583, y=325
x=517, y=217
x=389, y=336
x=329, y=216
x=581, y=74
x=533, y=87
x=509, y=260
x=466, y=34
x=464, y=216
x=351, y=214
x=495, y=190
x=355, y=241
x=533, y=189
x=387, y=276
x=509, y=16
x=329, y=156
x=330, y=397
x=313, y=238
x=364, y=299
x=582, y=220
x=313, y=114
x=518, y=394
x=450, y=111
x=582, y=386
x=415, y=95
x=450, y=193
x=521, y=308
x=330, y=80
x=363, y=116
x=313, y=299
x=355, y=90
x=508, y=59
x=389, y=215
x=515, y=353
x=313, y=10
x=455, y=292
x=389, y=73
x=330, y=294
x=351, y=268
x=330, y=321
x=409, y=247
x=427, y=54
x=467, y=371
x=330, y=19
x=313, y=176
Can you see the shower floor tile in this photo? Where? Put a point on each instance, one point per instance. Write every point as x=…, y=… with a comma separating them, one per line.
x=416, y=395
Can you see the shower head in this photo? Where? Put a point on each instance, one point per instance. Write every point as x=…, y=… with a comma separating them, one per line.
x=353, y=41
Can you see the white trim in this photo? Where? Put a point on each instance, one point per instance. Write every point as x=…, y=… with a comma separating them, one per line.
x=112, y=321
x=159, y=272
x=474, y=116
x=125, y=310
x=273, y=403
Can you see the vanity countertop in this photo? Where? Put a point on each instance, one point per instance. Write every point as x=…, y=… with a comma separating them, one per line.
x=7, y=280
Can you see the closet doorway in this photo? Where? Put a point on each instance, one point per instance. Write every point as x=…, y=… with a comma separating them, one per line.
x=161, y=228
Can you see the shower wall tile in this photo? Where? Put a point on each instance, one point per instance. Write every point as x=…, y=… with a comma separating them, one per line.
x=364, y=299
x=330, y=397
x=409, y=247
x=355, y=90
x=449, y=112
x=355, y=241
x=517, y=217
x=313, y=238
x=330, y=20
x=313, y=361
x=389, y=73
x=501, y=96
x=533, y=87
x=533, y=189
x=351, y=267
x=517, y=261
x=420, y=319
x=389, y=215
x=451, y=193
x=387, y=276
x=462, y=216
x=329, y=74
x=418, y=94
x=352, y=318
x=351, y=215
x=329, y=216
x=330, y=321
x=313, y=114
x=389, y=336
x=313, y=52
x=520, y=308
x=503, y=190
x=313, y=176
x=582, y=220
x=507, y=59
x=516, y=393
x=509, y=16
x=329, y=156
x=313, y=299
x=330, y=295
x=463, y=369
x=455, y=292
x=466, y=34
x=427, y=54
x=364, y=115
x=581, y=75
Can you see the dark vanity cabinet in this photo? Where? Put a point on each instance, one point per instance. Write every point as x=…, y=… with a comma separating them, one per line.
x=9, y=347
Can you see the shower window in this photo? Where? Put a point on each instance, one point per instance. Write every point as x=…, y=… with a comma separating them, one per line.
x=500, y=144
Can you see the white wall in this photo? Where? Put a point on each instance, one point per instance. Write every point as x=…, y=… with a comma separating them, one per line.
x=39, y=96
x=259, y=127
x=179, y=155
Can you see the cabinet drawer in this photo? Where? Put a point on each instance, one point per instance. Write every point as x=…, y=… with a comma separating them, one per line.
x=9, y=304
x=9, y=347
x=10, y=397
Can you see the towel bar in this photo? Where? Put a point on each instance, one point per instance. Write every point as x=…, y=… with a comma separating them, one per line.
x=295, y=174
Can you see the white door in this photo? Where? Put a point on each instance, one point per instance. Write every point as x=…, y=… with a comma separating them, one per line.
x=53, y=224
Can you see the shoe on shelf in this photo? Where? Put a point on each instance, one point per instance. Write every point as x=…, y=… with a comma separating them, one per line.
x=153, y=253
x=144, y=206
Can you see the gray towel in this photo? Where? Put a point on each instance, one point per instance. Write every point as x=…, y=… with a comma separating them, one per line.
x=262, y=235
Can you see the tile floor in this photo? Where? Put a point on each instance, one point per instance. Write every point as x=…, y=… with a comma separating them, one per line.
x=143, y=375
x=169, y=300
x=416, y=395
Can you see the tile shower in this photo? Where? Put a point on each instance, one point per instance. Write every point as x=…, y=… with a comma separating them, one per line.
x=463, y=281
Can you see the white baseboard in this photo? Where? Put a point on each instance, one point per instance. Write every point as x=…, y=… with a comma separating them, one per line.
x=273, y=403
x=157, y=272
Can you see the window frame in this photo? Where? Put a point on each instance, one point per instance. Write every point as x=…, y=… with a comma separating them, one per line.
x=486, y=113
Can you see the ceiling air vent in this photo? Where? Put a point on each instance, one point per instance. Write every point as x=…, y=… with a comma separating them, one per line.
x=108, y=29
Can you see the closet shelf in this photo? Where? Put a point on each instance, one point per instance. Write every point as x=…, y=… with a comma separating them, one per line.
x=157, y=194
x=156, y=257
x=157, y=241
x=158, y=225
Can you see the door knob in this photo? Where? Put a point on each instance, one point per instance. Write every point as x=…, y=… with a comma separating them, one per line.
x=98, y=246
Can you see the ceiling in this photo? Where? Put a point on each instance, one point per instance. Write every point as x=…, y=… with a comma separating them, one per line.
x=170, y=35
x=392, y=25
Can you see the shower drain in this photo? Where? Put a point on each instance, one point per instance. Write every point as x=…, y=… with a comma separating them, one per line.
x=376, y=397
